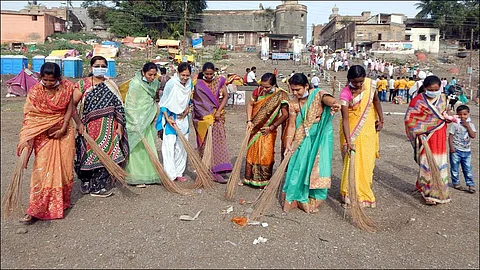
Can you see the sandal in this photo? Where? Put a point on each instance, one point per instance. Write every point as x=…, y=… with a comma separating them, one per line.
x=470, y=190
x=28, y=220
x=459, y=187
x=430, y=202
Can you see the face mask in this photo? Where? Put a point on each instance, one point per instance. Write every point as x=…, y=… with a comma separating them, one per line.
x=433, y=94
x=305, y=94
x=144, y=79
x=99, y=72
x=55, y=85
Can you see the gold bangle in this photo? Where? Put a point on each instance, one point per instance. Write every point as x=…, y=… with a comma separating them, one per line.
x=289, y=136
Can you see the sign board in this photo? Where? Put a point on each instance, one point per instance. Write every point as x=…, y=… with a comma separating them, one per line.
x=265, y=48
x=280, y=56
x=239, y=98
x=197, y=43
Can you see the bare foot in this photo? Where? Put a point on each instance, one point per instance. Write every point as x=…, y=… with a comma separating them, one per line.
x=289, y=206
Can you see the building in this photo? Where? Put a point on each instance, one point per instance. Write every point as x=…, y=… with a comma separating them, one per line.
x=423, y=35
x=329, y=32
x=244, y=29
x=316, y=30
x=368, y=35
x=21, y=27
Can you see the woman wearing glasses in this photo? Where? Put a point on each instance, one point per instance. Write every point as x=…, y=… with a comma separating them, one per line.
x=102, y=116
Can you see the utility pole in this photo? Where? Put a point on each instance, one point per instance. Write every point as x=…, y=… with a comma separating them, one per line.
x=185, y=28
x=470, y=70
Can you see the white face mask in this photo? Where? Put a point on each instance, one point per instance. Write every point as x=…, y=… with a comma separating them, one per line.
x=305, y=94
x=99, y=72
x=55, y=85
x=433, y=94
x=144, y=79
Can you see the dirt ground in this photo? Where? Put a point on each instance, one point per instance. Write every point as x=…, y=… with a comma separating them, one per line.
x=145, y=231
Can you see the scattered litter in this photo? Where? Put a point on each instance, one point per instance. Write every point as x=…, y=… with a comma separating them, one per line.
x=198, y=191
x=254, y=223
x=264, y=224
x=321, y=239
x=241, y=221
x=228, y=210
x=242, y=201
x=189, y=218
x=260, y=240
x=412, y=219
x=21, y=231
x=230, y=242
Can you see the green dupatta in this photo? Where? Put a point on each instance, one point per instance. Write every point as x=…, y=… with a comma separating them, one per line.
x=140, y=107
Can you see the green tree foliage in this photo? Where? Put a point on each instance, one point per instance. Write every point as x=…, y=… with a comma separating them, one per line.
x=157, y=18
x=454, y=18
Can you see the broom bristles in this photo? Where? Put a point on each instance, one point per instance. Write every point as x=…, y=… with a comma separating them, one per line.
x=166, y=182
x=437, y=183
x=116, y=171
x=235, y=174
x=12, y=195
x=208, y=149
x=204, y=175
x=359, y=217
x=268, y=195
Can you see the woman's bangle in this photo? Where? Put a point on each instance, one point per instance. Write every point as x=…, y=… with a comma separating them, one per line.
x=249, y=121
x=289, y=136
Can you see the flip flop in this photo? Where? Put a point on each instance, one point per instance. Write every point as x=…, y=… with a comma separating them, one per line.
x=459, y=187
x=27, y=220
x=470, y=190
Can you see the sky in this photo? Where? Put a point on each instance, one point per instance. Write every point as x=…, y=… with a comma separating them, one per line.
x=318, y=11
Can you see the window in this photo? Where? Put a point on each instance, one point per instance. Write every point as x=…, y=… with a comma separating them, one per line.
x=423, y=38
x=407, y=37
x=433, y=37
x=241, y=38
x=379, y=36
x=301, y=17
x=34, y=18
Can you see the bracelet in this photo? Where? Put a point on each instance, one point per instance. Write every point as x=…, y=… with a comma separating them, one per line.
x=289, y=136
x=249, y=121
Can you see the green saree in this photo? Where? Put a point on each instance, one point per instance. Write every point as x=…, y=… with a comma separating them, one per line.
x=309, y=168
x=141, y=111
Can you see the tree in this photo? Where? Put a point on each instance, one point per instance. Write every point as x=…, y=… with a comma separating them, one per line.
x=155, y=18
x=454, y=18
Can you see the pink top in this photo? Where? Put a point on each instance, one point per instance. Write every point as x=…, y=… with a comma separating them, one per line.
x=346, y=94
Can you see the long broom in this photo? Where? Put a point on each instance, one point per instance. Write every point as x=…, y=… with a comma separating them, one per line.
x=359, y=217
x=434, y=171
x=268, y=194
x=204, y=175
x=116, y=171
x=166, y=182
x=208, y=149
x=235, y=174
x=11, y=198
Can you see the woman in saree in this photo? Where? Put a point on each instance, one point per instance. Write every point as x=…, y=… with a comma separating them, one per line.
x=426, y=122
x=141, y=111
x=48, y=131
x=101, y=114
x=266, y=111
x=309, y=138
x=362, y=118
x=209, y=99
x=174, y=109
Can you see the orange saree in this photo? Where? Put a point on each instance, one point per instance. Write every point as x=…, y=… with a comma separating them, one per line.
x=52, y=175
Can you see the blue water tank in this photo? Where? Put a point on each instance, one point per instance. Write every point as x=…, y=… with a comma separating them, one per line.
x=55, y=59
x=19, y=62
x=37, y=62
x=6, y=64
x=72, y=67
x=112, y=70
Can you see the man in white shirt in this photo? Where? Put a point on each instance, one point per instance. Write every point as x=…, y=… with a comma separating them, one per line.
x=391, y=88
x=251, y=80
x=315, y=81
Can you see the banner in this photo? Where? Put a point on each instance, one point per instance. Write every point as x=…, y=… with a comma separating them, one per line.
x=197, y=43
x=280, y=56
x=297, y=49
x=265, y=48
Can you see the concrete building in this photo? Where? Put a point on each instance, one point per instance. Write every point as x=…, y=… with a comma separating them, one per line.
x=423, y=35
x=329, y=32
x=316, y=30
x=243, y=29
x=365, y=36
x=21, y=27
